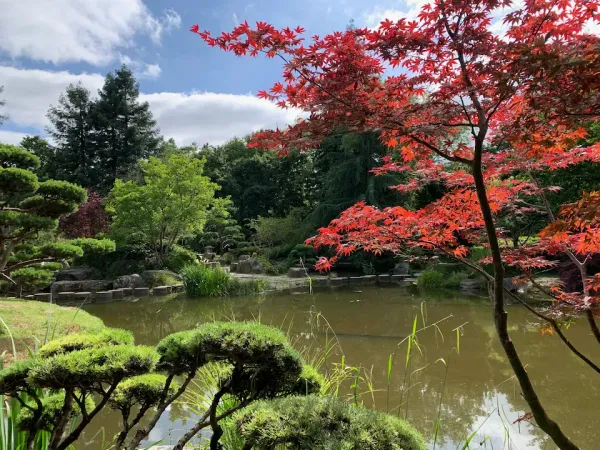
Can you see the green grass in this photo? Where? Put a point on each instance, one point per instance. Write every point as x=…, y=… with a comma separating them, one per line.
x=32, y=323
x=202, y=281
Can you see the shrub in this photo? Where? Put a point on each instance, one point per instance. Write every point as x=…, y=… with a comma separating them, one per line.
x=51, y=413
x=431, y=279
x=236, y=286
x=88, y=221
x=179, y=257
x=453, y=280
x=309, y=382
x=202, y=281
x=154, y=279
x=80, y=341
x=144, y=390
x=323, y=422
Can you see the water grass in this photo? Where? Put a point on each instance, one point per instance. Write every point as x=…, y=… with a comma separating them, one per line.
x=203, y=281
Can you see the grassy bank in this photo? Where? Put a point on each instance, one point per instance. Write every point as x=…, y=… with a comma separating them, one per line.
x=32, y=323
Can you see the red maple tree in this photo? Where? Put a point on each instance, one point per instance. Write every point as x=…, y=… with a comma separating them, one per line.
x=88, y=221
x=478, y=95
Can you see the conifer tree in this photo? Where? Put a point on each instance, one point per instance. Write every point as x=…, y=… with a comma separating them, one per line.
x=125, y=129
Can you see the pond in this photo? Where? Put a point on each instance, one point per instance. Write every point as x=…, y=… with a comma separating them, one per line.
x=478, y=393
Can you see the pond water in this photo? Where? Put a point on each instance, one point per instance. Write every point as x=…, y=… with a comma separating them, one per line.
x=479, y=393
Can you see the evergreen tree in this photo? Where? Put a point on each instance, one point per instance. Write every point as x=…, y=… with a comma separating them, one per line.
x=45, y=152
x=125, y=129
x=72, y=131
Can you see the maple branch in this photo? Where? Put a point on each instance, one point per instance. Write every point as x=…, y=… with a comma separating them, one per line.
x=593, y=325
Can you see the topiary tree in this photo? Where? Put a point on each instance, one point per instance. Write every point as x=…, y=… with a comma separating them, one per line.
x=322, y=422
x=221, y=231
x=257, y=363
x=29, y=208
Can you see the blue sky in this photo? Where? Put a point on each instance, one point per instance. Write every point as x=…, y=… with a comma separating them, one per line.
x=197, y=93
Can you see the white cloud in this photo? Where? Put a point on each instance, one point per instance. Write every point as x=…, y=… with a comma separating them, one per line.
x=214, y=118
x=92, y=31
x=412, y=8
x=150, y=71
x=202, y=117
x=11, y=137
x=235, y=19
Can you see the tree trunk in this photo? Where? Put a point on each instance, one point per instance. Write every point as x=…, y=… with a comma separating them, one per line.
x=550, y=427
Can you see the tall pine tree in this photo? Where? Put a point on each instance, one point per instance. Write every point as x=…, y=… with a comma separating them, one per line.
x=125, y=129
x=72, y=132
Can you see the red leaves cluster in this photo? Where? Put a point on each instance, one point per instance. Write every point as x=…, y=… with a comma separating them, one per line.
x=522, y=91
x=88, y=221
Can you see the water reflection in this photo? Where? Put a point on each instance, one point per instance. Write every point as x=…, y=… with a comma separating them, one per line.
x=479, y=392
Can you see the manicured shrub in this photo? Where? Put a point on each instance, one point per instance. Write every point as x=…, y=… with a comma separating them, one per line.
x=309, y=382
x=430, y=279
x=50, y=414
x=144, y=390
x=87, y=369
x=324, y=423
x=81, y=341
x=154, y=279
x=13, y=379
x=179, y=257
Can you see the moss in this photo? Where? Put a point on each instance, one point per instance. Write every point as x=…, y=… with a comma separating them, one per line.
x=88, y=368
x=146, y=390
x=323, y=422
x=80, y=341
x=51, y=411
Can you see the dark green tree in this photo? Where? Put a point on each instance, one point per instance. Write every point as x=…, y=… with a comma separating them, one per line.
x=29, y=208
x=45, y=152
x=124, y=128
x=75, y=158
x=221, y=231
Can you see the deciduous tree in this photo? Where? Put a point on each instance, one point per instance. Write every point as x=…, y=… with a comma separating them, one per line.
x=522, y=78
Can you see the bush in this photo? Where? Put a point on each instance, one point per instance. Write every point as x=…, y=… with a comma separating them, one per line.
x=202, y=281
x=250, y=250
x=323, y=422
x=179, y=257
x=145, y=390
x=81, y=341
x=453, y=280
x=51, y=412
x=154, y=279
x=431, y=279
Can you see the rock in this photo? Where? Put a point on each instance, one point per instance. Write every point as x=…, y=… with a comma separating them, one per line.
x=401, y=268
x=150, y=274
x=76, y=274
x=177, y=288
x=233, y=267
x=384, y=278
x=64, y=297
x=117, y=294
x=141, y=292
x=161, y=290
x=296, y=272
x=355, y=280
x=127, y=292
x=128, y=281
x=320, y=282
x=470, y=284
x=369, y=279
x=244, y=258
x=43, y=297
x=82, y=297
x=103, y=296
x=80, y=286
x=338, y=281
x=250, y=265
x=399, y=278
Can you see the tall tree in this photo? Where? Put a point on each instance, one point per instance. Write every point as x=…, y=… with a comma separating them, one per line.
x=72, y=131
x=125, y=129
x=45, y=152
x=532, y=86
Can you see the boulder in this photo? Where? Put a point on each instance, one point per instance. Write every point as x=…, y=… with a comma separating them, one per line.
x=401, y=268
x=141, y=292
x=76, y=274
x=159, y=291
x=117, y=294
x=103, y=297
x=80, y=286
x=296, y=272
x=128, y=281
x=233, y=267
x=244, y=258
x=249, y=265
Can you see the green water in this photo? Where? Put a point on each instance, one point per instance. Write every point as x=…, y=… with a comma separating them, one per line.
x=369, y=323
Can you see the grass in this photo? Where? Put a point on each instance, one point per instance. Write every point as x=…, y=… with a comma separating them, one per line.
x=32, y=323
x=202, y=281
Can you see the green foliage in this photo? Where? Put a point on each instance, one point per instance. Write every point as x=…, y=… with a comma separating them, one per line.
x=177, y=355
x=60, y=250
x=87, y=368
x=309, y=382
x=454, y=279
x=180, y=257
x=203, y=281
x=172, y=202
x=221, y=231
x=51, y=413
x=431, y=279
x=14, y=377
x=155, y=279
x=144, y=390
x=323, y=422
x=82, y=341
x=11, y=156
x=95, y=247
x=33, y=277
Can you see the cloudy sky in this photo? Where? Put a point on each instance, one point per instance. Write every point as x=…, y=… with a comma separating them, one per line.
x=197, y=94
